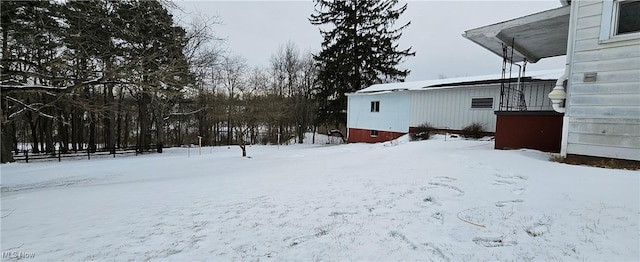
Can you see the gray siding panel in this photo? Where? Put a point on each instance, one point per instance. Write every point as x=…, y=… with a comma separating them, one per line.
x=587, y=33
x=589, y=21
x=606, y=100
x=629, y=127
x=594, y=44
x=604, y=116
x=604, y=151
x=589, y=8
x=617, y=76
x=621, y=64
x=451, y=108
x=603, y=53
x=604, y=112
x=596, y=140
x=630, y=88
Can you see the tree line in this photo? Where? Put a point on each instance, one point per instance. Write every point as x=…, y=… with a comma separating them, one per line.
x=103, y=75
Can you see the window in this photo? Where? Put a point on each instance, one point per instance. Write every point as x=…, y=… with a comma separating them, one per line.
x=620, y=20
x=628, y=17
x=374, y=132
x=482, y=103
x=375, y=106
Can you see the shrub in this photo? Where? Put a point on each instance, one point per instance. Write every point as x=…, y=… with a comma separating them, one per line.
x=475, y=130
x=421, y=132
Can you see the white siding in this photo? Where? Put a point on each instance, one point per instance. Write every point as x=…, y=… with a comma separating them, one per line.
x=604, y=116
x=535, y=96
x=451, y=108
x=393, y=115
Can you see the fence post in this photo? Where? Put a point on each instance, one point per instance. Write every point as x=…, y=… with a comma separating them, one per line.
x=88, y=154
x=26, y=155
x=59, y=156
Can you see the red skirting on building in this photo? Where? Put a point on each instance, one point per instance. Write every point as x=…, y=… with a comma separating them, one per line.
x=357, y=135
x=533, y=130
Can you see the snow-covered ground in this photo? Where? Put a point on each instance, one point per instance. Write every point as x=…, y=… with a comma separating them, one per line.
x=430, y=200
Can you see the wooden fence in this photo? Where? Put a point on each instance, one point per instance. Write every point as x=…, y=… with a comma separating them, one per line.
x=26, y=156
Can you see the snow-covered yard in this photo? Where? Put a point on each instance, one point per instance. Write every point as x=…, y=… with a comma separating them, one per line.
x=430, y=200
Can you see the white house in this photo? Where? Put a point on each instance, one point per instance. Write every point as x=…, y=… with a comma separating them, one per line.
x=599, y=92
x=386, y=111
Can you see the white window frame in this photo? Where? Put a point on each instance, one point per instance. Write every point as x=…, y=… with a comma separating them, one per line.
x=609, y=23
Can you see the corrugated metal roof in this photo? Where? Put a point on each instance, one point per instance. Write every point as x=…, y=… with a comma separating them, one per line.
x=459, y=81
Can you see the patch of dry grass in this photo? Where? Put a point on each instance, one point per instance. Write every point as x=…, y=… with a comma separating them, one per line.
x=597, y=162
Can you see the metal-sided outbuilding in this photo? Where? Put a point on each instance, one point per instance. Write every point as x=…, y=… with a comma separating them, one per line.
x=386, y=111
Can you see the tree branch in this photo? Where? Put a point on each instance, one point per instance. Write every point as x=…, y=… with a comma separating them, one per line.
x=36, y=110
x=5, y=87
x=184, y=114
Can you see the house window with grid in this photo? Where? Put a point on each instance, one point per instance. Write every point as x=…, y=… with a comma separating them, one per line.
x=374, y=133
x=375, y=106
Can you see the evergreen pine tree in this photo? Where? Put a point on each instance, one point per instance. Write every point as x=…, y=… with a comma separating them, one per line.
x=358, y=50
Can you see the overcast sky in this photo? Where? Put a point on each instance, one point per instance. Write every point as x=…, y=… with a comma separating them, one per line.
x=256, y=29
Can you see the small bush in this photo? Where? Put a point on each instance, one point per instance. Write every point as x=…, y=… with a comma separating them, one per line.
x=475, y=130
x=421, y=132
x=557, y=159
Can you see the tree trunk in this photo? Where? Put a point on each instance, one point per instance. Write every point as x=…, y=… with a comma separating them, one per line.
x=241, y=142
x=34, y=135
x=159, y=131
x=313, y=138
x=143, y=121
x=92, y=135
x=5, y=150
x=119, y=142
x=74, y=130
x=125, y=136
x=48, y=133
x=108, y=120
x=14, y=135
x=6, y=155
x=63, y=136
x=109, y=133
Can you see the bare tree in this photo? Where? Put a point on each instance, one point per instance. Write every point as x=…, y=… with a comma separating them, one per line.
x=294, y=78
x=233, y=75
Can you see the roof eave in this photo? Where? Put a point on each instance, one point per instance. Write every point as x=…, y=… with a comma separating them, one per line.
x=494, y=37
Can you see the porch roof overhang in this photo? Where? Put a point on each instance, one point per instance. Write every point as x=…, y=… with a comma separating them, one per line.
x=532, y=37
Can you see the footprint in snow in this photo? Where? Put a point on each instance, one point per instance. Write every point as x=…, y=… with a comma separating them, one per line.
x=430, y=200
x=458, y=190
x=438, y=216
x=503, y=182
x=518, y=191
x=493, y=242
x=539, y=228
x=403, y=238
x=429, y=247
x=446, y=178
x=521, y=177
x=434, y=250
x=506, y=202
